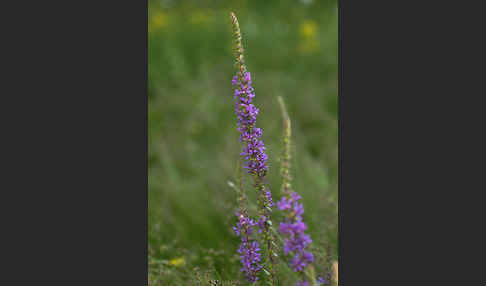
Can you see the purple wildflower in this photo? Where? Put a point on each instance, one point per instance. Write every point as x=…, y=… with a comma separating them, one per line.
x=254, y=150
x=284, y=204
x=248, y=250
x=289, y=228
x=245, y=224
x=302, y=283
x=300, y=260
x=295, y=197
x=320, y=280
x=298, y=210
x=293, y=228
x=250, y=258
x=254, y=160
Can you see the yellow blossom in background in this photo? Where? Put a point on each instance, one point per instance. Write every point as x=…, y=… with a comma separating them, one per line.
x=308, y=29
x=158, y=20
x=178, y=262
x=308, y=33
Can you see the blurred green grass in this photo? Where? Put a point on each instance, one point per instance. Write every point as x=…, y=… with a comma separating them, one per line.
x=291, y=50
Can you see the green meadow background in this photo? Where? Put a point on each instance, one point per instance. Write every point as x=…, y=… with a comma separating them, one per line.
x=291, y=49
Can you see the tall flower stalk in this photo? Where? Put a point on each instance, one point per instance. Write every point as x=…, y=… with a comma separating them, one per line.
x=292, y=229
x=255, y=162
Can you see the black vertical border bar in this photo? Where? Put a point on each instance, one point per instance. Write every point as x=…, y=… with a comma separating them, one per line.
x=146, y=142
x=76, y=172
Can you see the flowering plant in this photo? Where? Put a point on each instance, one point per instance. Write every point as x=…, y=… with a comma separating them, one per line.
x=254, y=161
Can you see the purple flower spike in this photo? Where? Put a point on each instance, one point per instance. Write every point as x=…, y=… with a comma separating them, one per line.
x=249, y=250
x=293, y=229
x=254, y=160
x=250, y=258
x=254, y=150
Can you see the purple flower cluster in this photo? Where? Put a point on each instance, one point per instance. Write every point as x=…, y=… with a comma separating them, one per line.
x=250, y=258
x=256, y=163
x=254, y=151
x=302, y=283
x=293, y=229
x=248, y=250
